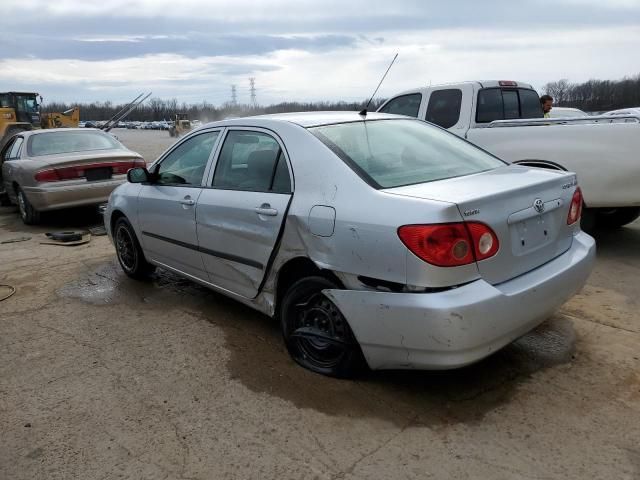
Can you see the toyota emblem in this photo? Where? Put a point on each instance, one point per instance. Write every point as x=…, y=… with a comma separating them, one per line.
x=538, y=204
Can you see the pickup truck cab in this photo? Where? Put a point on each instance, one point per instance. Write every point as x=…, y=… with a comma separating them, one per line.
x=505, y=118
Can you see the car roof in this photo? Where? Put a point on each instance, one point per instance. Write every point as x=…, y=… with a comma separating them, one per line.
x=307, y=119
x=480, y=83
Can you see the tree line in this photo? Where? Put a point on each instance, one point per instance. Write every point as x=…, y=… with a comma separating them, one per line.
x=591, y=96
x=596, y=95
x=157, y=109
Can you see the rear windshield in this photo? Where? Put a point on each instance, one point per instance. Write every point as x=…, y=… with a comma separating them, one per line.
x=52, y=143
x=393, y=153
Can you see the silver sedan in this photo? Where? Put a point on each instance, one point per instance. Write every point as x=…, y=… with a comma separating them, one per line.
x=375, y=240
x=60, y=168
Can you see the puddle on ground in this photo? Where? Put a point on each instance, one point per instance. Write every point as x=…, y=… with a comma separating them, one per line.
x=259, y=360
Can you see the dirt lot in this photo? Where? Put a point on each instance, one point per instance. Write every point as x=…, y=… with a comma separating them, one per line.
x=102, y=377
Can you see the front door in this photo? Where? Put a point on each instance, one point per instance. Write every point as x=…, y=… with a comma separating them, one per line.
x=167, y=207
x=240, y=216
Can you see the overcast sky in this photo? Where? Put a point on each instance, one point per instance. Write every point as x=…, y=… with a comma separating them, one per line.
x=194, y=50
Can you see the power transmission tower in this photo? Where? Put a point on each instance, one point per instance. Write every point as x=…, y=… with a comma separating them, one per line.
x=252, y=88
x=234, y=95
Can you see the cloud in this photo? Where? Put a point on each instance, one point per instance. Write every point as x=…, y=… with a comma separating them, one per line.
x=302, y=50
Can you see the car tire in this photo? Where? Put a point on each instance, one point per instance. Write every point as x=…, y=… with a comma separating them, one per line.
x=129, y=253
x=617, y=217
x=29, y=215
x=315, y=332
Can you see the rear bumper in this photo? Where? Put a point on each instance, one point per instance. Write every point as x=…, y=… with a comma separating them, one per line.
x=457, y=327
x=68, y=196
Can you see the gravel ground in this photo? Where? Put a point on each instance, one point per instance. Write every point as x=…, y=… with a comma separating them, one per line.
x=103, y=377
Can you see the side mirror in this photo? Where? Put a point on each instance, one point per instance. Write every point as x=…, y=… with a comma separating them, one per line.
x=138, y=175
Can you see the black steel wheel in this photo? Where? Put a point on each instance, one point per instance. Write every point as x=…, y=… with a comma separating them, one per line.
x=129, y=252
x=29, y=215
x=317, y=335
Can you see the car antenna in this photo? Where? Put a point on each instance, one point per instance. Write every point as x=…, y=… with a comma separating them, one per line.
x=363, y=112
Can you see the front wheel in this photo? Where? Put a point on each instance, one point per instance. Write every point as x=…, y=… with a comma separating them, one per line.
x=617, y=217
x=129, y=252
x=316, y=333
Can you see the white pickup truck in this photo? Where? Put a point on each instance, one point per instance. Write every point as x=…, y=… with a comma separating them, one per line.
x=505, y=118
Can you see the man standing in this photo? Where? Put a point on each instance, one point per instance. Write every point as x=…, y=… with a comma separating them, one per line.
x=547, y=103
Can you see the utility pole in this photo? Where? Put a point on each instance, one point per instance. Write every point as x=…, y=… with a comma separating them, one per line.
x=234, y=95
x=252, y=89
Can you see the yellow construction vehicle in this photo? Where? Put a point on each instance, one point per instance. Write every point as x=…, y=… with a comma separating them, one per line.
x=181, y=125
x=21, y=111
x=69, y=119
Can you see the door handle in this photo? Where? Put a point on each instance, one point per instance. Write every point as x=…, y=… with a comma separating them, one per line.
x=265, y=209
x=187, y=201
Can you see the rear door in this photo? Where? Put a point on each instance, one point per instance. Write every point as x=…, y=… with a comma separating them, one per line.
x=167, y=207
x=241, y=214
x=10, y=154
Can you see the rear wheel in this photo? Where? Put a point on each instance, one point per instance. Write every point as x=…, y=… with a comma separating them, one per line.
x=29, y=215
x=617, y=217
x=316, y=333
x=129, y=252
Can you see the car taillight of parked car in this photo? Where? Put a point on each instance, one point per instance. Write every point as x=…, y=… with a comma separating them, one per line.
x=450, y=244
x=575, y=210
x=79, y=171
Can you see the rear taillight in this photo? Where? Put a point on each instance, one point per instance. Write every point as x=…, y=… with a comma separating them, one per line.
x=575, y=209
x=122, y=168
x=450, y=244
x=485, y=241
x=79, y=171
x=47, y=176
x=58, y=174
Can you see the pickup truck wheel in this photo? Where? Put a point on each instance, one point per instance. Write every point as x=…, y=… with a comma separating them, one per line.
x=129, y=252
x=316, y=333
x=29, y=215
x=617, y=217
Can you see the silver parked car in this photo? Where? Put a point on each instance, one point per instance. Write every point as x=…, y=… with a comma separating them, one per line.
x=381, y=239
x=61, y=168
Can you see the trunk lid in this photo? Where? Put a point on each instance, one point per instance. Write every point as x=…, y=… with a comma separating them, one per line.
x=505, y=199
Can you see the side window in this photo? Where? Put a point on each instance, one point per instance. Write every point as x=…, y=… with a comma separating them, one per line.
x=14, y=151
x=186, y=164
x=444, y=107
x=404, y=105
x=252, y=161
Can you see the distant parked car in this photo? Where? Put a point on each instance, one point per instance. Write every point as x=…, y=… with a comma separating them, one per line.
x=379, y=239
x=567, y=112
x=60, y=168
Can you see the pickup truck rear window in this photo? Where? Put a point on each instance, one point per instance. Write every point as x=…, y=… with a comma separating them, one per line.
x=507, y=104
x=394, y=153
x=404, y=105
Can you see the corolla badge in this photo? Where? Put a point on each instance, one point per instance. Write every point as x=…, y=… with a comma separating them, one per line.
x=538, y=204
